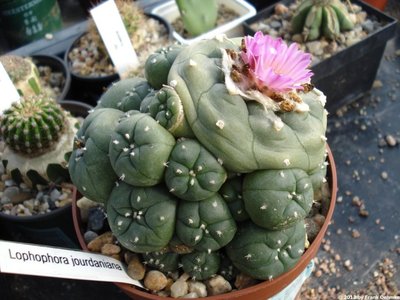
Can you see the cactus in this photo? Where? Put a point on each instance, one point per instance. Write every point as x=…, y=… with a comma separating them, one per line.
x=162, y=260
x=240, y=185
x=201, y=265
x=125, y=95
x=158, y=64
x=267, y=141
x=205, y=225
x=89, y=165
x=139, y=149
x=265, y=254
x=37, y=132
x=231, y=192
x=314, y=18
x=165, y=107
x=23, y=73
x=193, y=173
x=198, y=17
x=276, y=199
x=142, y=219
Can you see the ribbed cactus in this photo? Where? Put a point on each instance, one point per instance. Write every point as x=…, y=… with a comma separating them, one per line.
x=265, y=254
x=315, y=18
x=238, y=189
x=205, y=225
x=198, y=17
x=201, y=265
x=33, y=126
x=23, y=73
x=142, y=219
x=276, y=199
x=193, y=173
x=158, y=64
x=125, y=95
x=165, y=107
x=37, y=133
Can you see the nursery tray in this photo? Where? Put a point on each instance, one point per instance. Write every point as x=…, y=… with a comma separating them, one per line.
x=169, y=11
x=347, y=75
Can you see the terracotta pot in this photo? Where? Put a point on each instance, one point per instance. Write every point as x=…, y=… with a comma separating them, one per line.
x=379, y=4
x=262, y=290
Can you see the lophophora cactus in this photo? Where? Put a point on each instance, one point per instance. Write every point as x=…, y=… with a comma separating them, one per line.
x=37, y=133
x=235, y=183
x=198, y=17
x=315, y=18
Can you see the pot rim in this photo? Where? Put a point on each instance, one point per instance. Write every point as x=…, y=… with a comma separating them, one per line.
x=39, y=217
x=42, y=60
x=264, y=289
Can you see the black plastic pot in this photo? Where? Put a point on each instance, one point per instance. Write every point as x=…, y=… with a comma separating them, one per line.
x=347, y=75
x=54, y=228
x=56, y=65
x=89, y=88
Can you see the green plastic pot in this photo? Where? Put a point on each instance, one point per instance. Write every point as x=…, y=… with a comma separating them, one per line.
x=24, y=21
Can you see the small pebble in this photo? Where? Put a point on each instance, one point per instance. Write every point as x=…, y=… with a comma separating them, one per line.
x=155, y=280
x=179, y=288
x=136, y=269
x=391, y=141
x=384, y=175
x=197, y=287
x=218, y=285
x=89, y=236
x=96, y=244
x=110, y=249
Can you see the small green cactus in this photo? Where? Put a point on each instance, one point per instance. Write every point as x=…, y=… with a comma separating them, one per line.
x=276, y=199
x=314, y=18
x=163, y=261
x=125, y=95
x=201, y=265
x=231, y=192
x=165, y=107
x=139, y=149
x=193, y=173
x=142, y=219
x=37, y=133
x=33, y=126
x=158, y=64
x=23, y=73
x=265, y=254
x=205, y=225
x=89, y=164
x=198, y=17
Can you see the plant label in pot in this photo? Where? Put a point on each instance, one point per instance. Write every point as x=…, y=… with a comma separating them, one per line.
x=210, y=176
x=115, y=37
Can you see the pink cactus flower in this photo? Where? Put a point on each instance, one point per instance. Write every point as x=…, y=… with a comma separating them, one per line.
x=276, y=66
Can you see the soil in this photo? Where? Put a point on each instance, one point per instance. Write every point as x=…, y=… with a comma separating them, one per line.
x=88, y=57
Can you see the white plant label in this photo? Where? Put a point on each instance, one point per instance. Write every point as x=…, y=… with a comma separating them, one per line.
x=8, y=92
x=115, y=37
x=28, y=259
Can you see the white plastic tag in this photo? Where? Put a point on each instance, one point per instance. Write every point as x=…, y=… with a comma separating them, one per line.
x=28, y=259
x=8, y=92
x=115, y=37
